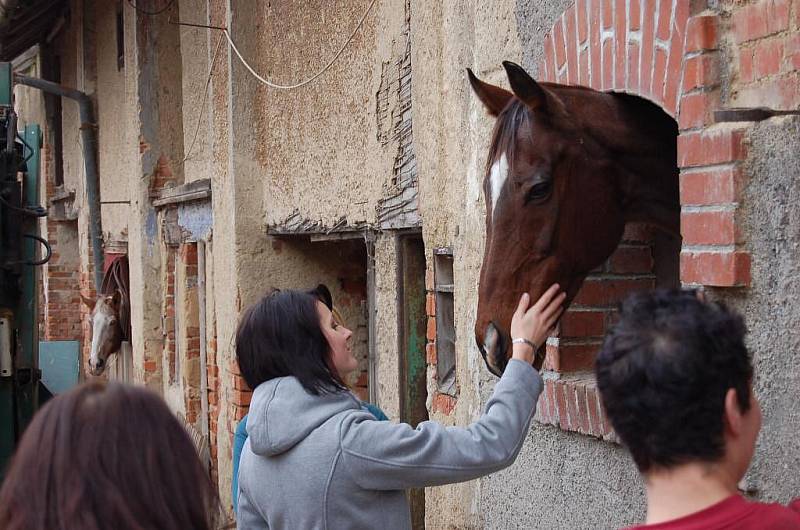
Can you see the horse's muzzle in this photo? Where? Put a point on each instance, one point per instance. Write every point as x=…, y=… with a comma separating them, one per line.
x=493, y=349
x=97, y=368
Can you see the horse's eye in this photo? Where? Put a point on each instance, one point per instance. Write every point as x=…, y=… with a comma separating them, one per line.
x=540, y=191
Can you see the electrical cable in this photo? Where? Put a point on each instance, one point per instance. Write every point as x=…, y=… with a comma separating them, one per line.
x=151, y=13
x=310, y=79
x=47, y=247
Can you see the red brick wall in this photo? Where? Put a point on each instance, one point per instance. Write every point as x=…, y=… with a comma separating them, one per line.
x=168, y=312
x=61, y=304
x=187, y=254
x=239, y=399
x=766, y=35
x=442, y=403
x=62, y=313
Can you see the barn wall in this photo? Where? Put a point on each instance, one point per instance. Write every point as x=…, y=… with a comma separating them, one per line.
x=770, y=226
x=331, y=154
x=757, y=65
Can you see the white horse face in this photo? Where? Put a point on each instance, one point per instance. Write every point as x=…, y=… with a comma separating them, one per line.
x=106, y=331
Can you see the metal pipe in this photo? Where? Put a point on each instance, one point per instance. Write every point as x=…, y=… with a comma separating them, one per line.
x=89, y=140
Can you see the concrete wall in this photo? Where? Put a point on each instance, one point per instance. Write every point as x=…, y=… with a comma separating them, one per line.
x=770, y=221
x=759, y=67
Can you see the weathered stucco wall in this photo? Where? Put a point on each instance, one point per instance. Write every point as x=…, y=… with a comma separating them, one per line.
x=68, y=42
x=198, y=48
x=116, y=127
x=771, y=220
x=387, y=367
x=319, y=149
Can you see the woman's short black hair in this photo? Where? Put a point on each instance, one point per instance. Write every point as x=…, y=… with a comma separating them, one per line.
x=663, y=374
x=280, y=335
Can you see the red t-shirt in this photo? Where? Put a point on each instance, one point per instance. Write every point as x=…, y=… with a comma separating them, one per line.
x=735, y=513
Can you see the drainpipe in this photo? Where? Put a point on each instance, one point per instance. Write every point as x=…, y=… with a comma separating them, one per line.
x=89, y=140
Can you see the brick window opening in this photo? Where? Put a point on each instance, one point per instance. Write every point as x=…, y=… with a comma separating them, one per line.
x=187, y=328
x=169, y=320
x=445, y=322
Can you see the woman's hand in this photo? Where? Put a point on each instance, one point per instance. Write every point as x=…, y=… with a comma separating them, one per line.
x=536, y=322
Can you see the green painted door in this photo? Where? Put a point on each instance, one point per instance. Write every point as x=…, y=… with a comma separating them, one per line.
x=413, y=323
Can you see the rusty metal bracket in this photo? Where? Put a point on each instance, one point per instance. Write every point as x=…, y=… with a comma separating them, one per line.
x=750, y=114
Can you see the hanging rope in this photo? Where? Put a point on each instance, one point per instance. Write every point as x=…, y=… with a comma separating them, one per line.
x=310, y=79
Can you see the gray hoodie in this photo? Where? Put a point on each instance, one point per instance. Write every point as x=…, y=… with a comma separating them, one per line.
x=322, y=462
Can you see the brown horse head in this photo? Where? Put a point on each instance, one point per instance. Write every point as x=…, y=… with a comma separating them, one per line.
x=568, y=167
x=107, y=331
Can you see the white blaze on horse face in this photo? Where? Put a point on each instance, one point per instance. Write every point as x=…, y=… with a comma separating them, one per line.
x=100, y=321
x=497, y=178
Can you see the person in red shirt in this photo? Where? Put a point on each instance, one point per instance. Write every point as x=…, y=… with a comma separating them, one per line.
x=676, y=379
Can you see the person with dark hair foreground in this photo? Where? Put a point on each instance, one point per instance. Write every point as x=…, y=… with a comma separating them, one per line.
x=107, y=455
x=676, y=381
x=315, y=459
x=240, y=434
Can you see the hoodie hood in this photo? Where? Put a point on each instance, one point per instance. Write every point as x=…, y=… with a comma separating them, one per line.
x=282, y=414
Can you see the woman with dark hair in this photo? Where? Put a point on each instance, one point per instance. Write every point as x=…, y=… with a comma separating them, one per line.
x=240, y=434
x=315, y=459
x=107, y=455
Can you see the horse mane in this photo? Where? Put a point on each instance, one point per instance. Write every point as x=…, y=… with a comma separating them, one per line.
x=506, y=127
x=658, y=126
x=658, y=129
x=115, y=279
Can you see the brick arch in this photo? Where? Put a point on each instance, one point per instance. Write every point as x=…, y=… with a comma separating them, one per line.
x=666, y=52
x=660, y=50
x=632, y=46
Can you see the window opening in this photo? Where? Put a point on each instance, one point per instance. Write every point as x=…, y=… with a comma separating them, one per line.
x=445, y=322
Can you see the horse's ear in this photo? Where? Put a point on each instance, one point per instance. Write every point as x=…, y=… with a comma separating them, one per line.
x=116, y=298
x=493, y=97
x=90, y=302
x=524, y=87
